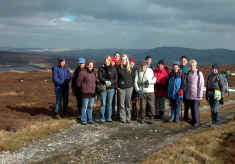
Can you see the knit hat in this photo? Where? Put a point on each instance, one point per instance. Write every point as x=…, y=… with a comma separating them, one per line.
x=216, y=66
x=132, y=60
x=176, y=63
x=81, y=61
x=161, y=62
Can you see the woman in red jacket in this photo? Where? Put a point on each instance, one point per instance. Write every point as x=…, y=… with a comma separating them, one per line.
x=162, y=75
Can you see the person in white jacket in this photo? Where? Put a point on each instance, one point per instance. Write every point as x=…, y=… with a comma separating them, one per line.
x=144, y=86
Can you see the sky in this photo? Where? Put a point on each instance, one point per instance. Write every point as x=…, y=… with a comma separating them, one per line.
x=135, y=24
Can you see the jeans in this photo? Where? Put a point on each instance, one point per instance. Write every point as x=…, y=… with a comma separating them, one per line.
x=87, y=110
x=62, y=101
x=106, y=105
x=175, y=109
x=124, y=99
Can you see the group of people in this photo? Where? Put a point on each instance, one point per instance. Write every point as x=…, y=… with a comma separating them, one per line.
x=127, y=91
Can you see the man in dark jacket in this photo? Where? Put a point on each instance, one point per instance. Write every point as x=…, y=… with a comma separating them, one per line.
x=215, y=93
x=61, y=77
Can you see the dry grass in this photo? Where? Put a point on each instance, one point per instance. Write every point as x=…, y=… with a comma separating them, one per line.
x=213, y=146
x=12, y=93
x=11, y=141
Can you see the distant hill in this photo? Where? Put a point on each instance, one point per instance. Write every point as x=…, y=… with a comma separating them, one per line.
x=169, y=54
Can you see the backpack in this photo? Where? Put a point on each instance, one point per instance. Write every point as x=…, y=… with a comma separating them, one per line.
x=224, y=80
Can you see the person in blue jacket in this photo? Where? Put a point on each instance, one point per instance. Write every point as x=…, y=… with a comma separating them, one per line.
x=61, y=77
x=175, y=93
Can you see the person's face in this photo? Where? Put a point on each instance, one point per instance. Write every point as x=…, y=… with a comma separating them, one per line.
x=176, y=68
x=184, y=61
x=144, y=68
x=132, y=64
x=124, y=60
x=193, y=66
x=90, y=66
x=117, y=56
x=215, y=70
x=107, y=61
x=82, y=65
x=161, y=66
x=62, y=63
x=149, y=61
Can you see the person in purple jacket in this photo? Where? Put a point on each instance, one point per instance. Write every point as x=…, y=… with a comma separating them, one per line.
x=61, y=77
x=194, y=83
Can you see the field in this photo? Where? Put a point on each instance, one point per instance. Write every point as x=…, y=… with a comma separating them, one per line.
x=27, y=101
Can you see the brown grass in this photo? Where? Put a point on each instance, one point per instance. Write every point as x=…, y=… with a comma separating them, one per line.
x=213, y=146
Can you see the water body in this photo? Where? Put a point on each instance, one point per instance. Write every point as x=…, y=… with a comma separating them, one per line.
x=19, y=68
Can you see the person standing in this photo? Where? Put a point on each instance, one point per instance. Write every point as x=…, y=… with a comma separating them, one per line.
x=184, y=68
x=162, y=76
x=75, y=89
x=86, y=81
x=215, y=93
x=175, y=92
x=144, y=85
x=125, y=88
x=107, y=75
x=61, y=77
x=194, y=83
x=117, y=55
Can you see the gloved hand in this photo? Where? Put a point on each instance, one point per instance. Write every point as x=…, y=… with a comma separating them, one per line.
x=181, y=92
x=108, y=83
x=221, y=101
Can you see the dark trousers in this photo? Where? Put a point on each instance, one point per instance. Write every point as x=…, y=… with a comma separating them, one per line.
x=186, y=108
x=79, y=103
x=147, y=100
x=62, y=98
x=194, y=105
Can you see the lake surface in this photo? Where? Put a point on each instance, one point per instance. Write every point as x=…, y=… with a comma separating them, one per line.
x=19, y=68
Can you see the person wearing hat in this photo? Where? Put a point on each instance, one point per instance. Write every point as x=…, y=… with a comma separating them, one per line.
x=162, y=75
x=61, y=77
x=215, y=93
x=193, y=87
x=76, y=90
x=86, y=81
x=144, y=86
x=175, y=91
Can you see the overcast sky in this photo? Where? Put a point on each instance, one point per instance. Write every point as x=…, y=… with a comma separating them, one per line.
x=199, y=24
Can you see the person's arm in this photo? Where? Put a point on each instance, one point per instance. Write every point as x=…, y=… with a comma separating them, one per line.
x=136, y=81
x=80, y=78
x=221, y=85
x=56, y=79
x=152, y=79
x=68, y=75
x=101, y=77
x=201, y=85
